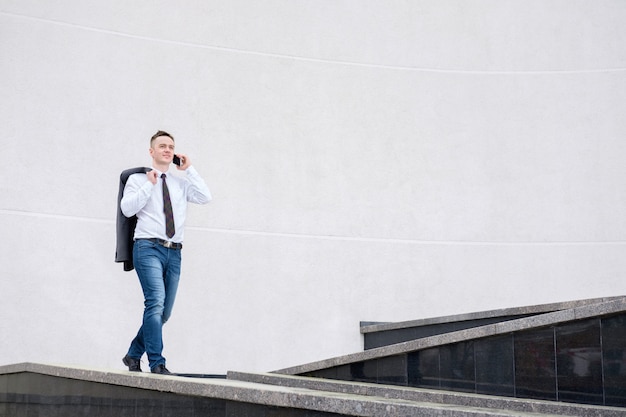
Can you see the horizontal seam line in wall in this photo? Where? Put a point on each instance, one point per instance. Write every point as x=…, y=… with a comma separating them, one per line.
x=308, y=59
x=330, y=237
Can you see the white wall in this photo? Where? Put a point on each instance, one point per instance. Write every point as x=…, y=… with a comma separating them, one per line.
x=369, y=161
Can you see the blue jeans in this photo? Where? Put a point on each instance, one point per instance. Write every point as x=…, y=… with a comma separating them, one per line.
x=158, y=269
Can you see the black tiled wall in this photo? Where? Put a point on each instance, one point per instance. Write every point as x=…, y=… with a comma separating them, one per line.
x=581, y=362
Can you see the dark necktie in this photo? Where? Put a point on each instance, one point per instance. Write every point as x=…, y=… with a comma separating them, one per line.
x=167, y=209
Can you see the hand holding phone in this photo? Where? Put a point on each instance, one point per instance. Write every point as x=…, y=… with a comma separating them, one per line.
x=182, y=161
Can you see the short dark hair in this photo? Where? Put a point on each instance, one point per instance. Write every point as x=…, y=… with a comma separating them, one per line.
x=159, y=134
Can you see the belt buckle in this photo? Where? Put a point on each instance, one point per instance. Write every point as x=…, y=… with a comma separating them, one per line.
x=168, y=244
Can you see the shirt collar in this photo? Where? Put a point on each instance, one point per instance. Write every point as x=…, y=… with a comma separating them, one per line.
x=160, y=172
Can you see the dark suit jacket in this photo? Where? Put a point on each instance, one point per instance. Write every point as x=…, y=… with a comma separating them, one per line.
x=126, y=225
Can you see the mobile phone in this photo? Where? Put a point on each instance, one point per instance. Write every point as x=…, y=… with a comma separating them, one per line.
x=176, y=160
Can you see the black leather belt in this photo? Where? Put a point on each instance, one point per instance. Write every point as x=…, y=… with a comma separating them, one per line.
x=164, y=243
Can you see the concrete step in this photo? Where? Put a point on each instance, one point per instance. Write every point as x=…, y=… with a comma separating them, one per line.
x=465, y=401
x=73, y=390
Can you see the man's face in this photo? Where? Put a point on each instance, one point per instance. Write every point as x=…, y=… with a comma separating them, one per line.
x=162, y=150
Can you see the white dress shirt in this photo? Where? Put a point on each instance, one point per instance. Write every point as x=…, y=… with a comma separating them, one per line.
x=144, y=199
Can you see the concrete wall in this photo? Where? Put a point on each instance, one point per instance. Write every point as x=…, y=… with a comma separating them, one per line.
x=369, y=161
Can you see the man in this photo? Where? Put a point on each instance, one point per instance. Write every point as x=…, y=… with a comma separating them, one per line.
x=159, y=200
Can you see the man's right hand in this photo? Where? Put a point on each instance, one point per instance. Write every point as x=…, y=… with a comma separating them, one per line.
x=152, y=176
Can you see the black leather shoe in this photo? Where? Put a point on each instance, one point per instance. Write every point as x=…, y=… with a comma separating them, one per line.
x=134, y=365
x=160, y=369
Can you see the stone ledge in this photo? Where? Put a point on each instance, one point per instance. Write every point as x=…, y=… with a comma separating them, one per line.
x=611, y=306
x=432, y=396
x=366, y=327
x=347, y=404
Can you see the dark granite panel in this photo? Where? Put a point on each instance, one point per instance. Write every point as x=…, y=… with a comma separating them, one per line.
x=495, y=369
x=328, y=373
x=364, y=371
x=423, y=368
x=390, y=337
x=614, y=360
x=367, y=372
x=535, y=373
x=392, y=370
x=579, y=362
x=457, y=367
x=343, y=372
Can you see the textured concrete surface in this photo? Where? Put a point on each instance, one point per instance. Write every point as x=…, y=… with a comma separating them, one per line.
x=533, y=309
x=348, y=402
x=431, y=396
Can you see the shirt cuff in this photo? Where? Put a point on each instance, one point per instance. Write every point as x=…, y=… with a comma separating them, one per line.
x=192, y=171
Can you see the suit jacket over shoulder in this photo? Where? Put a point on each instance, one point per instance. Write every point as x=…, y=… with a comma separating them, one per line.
x=125, y=226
